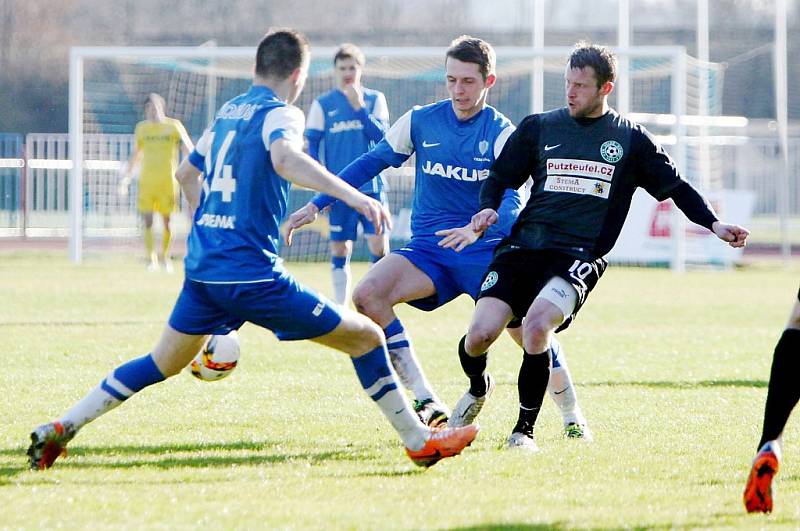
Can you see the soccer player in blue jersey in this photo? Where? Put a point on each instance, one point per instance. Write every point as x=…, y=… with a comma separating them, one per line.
x=247, y=159
x=348, y=121
x=455, y=142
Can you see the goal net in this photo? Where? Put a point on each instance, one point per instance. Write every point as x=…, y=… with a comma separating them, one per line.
x=108, y=87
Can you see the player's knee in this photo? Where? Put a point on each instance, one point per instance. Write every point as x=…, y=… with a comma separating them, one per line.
x=479, y=338
x=536, y=330
x=367, y=297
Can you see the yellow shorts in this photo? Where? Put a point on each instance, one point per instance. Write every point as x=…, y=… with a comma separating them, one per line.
x=159, y=199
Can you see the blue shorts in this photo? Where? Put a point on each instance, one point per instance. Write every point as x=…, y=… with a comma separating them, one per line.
x=452, y=273
x=343, y=220
x=283, y=305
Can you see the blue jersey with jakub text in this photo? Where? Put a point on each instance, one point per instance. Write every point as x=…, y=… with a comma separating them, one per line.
x=453, y=158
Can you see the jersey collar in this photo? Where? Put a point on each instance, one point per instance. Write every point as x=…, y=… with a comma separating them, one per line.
x=462, y=123
x=263, y=91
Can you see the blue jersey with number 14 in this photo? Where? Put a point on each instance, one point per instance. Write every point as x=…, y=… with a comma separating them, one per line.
x=235, y=234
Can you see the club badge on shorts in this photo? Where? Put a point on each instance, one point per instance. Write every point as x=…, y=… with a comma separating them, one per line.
x=491, y=280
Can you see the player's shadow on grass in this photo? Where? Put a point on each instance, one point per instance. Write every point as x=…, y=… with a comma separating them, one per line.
x=564, y=525
x=672, y=384
x=169, y=456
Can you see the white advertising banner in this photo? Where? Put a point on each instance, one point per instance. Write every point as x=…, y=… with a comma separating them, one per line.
x=647, y=234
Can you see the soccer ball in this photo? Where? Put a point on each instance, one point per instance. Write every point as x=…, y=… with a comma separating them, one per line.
x=217, y=358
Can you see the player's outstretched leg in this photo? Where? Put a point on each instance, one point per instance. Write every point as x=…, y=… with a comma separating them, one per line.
x=562, y=391
x=481, y=385
x=357, y=333
x=431, y=410
x=424, y=446
x=758, y=491
x=174, y=351
x=783, y=394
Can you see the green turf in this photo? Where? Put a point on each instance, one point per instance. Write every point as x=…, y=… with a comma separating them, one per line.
x=671, y=371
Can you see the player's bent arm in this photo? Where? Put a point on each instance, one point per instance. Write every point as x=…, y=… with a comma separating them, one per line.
x=355, y=174
x=395, y=148
x=699, y=211
x=297, y=167
x=188, y=176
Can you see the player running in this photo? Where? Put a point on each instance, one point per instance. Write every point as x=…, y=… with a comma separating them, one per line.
x=455, y=142
x=783, y=394
x=348, y=121
x=248, y=157
x=586, y=162
x=157, y=139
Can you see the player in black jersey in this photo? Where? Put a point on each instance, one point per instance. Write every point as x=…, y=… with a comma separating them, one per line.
x=782, y=396
x=586, y=161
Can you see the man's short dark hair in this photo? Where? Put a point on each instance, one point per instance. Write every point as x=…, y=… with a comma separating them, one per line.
x=473, y=50
x=598, y=57
x=350, y=51
x=280, y=52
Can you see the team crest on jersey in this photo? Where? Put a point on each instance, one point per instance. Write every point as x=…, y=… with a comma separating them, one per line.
x=483, y=147
x=491, y=280
x=611, y=151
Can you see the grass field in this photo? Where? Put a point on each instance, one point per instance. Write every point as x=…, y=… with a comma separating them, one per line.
x=671, y=372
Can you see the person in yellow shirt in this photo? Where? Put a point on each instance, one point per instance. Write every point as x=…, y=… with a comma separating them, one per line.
x=158, y=139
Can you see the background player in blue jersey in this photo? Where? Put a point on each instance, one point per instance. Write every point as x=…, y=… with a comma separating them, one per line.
x=247, y=159
x=455, y=142
x=348, y=121
x=782, y=397
x=586, y=161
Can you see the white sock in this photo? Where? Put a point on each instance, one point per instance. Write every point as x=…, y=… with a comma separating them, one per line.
x=119, y=385
x=405, y=363
x=562, y=391
x=396, y=408
x=341, y=283
x=380, y=383
x=94, y=404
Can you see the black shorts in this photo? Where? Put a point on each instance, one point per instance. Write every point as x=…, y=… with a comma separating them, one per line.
x=516, y=276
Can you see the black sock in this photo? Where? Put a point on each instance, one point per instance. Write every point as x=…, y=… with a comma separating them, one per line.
x=531, y=384
x=474, y=367
x=784, y=391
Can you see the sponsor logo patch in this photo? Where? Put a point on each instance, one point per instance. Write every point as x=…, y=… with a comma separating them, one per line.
x=346, y=125
x=611, y=151
x=575, y=185
x=576, y=176
x=454, y=172
x=217, y=221
x=491, y=280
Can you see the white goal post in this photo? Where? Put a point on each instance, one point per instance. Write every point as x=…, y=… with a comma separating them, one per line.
x=658, y=81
